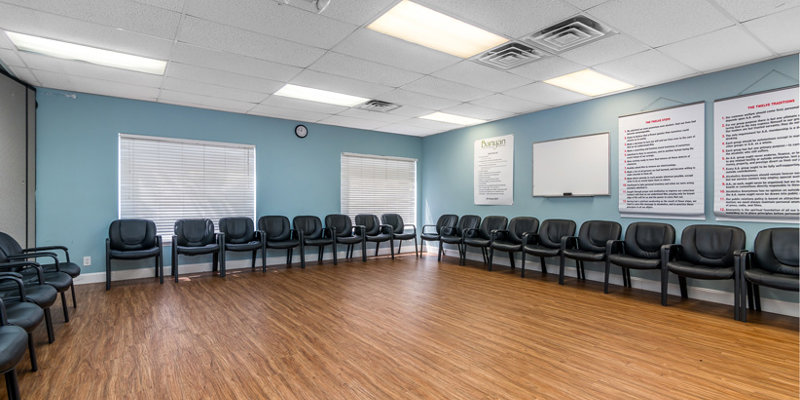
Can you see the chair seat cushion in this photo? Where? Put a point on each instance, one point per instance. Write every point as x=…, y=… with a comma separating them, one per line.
x=192, y=250
x=43, y=295
x=542, y=251
x=24, y=315
x=349, y=239
x=584, y=255
x=634, y=262
x=59, y=280
x=252, y=245
x=691, y=270
x=70, y=268
x=504, y=245
x=283, y=244
x=382, y=237
x=450, y=239
x=404, y=236
x=772, y=279
x=319, y=242
x=132, y=254
x=13, y=344
x=478, y=242
x=429, y=236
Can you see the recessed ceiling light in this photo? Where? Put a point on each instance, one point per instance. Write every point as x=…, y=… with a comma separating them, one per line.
x=589, y=82
x=453, y=119
x=318, y=95
x=77, y=52
x=421, y=25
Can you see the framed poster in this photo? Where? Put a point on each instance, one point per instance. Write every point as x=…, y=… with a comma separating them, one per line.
x=493, y=178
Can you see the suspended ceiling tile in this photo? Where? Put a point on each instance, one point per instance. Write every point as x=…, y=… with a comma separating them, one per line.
x=410, y=130
x=57, y=80
x=384, y=117
x=10, y=58
x=431, y=124
x=411, y=111
x=646, y=68
x=222, y=78
x=339, y=84
x=356, y=12
x=406, y=98
x=586, y=4
x=25, y=75
x=297, y=104
x=351, y=122
x=370, y=45
x=474, y=111
x=658, y=22
x=203, y=101
x=92, y=71
x=607, y=49
x=117, y=14
x=479, y=76
x=235, y=63
x=546, y=68
x=507, y=103
x=778, y=31
x=543, y=93
x=717, y=50
x=439, y=87
x=746, y=10
x=271, y=18
x=174, y=5
x=212, y=91
x=287, y=113
x=343, y=65
x=5, y=42
x=239, y=41
x=512, y=18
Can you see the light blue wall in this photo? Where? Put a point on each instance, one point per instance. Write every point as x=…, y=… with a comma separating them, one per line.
x=448, y=168
x=77, y=134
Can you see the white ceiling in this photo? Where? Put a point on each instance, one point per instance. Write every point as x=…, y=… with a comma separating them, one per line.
x=233, y=55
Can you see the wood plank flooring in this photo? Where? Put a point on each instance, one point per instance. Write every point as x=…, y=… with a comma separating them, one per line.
x=404, y=329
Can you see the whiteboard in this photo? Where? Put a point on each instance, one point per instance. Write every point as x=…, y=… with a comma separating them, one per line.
x=576, y=166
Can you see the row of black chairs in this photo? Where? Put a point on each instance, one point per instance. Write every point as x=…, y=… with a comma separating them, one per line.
x=27, y=291
x=705, y=251
x=137, y=238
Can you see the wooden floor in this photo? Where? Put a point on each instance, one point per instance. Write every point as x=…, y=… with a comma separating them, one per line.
x=405, y=329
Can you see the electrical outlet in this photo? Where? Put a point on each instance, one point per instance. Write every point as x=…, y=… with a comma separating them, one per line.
x=87, y=261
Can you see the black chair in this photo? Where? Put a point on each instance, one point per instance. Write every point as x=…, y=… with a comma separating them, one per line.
x=348, y=234
x=277, y=235
x=12, y=348
x=67, y=267
x=510, y=239
x=311, y=233
x=547, y=241
x=36, y=290
x=444, y=225
x=457, y=235
x=641, y=249
x=483, y=236
x=589, y=245
x=23, y=313
x=134, y=239
x=705, y=252
x=61, y=281
x=399, y=230
x=195, y=237
x=240, y=235
x=376, y=232
x=773, y=263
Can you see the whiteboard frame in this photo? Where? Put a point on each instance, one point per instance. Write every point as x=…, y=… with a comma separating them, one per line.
x=608, y=152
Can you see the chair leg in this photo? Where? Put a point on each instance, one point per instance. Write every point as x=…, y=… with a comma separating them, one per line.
x=253, y=261
x=319, y=254
x=377, y=247
x=64, y=307
x=561, y=271
x=12, y=386
x=364, y=250
x=108, y=271
x=399, y=245
x=513, y=262
x=302, y=256
x=522, y=274
x=757, y=297
x=544, y=266
x=264, y=258
x=416, y=251
x=32, y=351
x=174, y=263
x=684, y=290
x=48, y=322
x=441, y=246
x=391, y=247
x=605, y=281
x=628, y=273
x=750, y=302
x=664, y=281
x=490, y=258
x=335, y=255
x=742, y=299
x=72, y=289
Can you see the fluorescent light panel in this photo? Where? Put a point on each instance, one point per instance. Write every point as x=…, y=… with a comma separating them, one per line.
x=320, y=96
x=453, y=119
x=421, y=25
x=77, y=52
x=589, y=82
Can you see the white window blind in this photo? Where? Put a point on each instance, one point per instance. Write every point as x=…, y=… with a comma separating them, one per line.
x=379, y=185
x=163, y=179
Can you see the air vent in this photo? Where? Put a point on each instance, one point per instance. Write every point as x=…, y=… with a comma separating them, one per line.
x=510, y=55
x=567, y=35
x=378, y=105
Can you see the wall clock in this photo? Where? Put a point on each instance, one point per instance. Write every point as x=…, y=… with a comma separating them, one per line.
x=301, y=131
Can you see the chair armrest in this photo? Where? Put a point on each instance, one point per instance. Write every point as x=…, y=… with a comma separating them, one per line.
x=13, y=274
x=37, y=249
x=159, y=242
x=530, y=238
x=569, y=242
x=414, y=227
x=361, y=228
x=426, y=226
x=329, y=230
x=615, y=247
x=669, y=252
x=220, y=240
x=36, y=255
x=3, y=320
x=24, y=265
x=300, y=236
x=18, y=281
x=174, y=240
x=389, y=228
x=260, y=235
x=293, y=233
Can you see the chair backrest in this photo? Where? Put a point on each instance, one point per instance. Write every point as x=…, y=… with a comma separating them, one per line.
x=594, y=235
x=711, y=245
x=446, y=224
x=395, y=221
x=370, y=222
x=491, y=223
x=644, y=239
x=309, y=225
x=467, y=222
x=275, y=227
x=237, y=230
x=9, y=246
x=341, y=223
x=552, y=230
x=520, y=225
x=776, y=250
x=132, y=234
x=194, y=232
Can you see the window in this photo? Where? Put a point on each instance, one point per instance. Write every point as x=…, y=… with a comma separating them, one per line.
x=163, y=179
x=379, y=185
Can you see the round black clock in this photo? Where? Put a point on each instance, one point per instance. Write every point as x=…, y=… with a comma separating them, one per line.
x=301, y=131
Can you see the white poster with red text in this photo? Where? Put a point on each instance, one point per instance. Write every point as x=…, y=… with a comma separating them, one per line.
x=757, y=157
